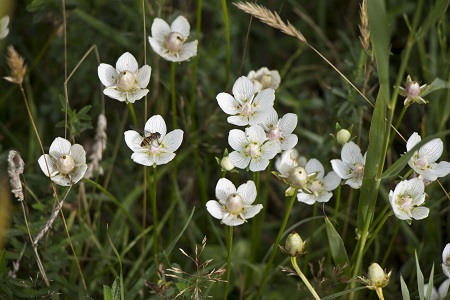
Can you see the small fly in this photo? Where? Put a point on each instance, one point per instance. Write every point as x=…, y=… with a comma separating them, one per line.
x=150, y=138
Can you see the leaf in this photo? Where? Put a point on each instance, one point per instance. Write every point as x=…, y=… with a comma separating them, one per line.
x=420, y=279
x=337, y=246
x=115, y=289
x=405, y=291
x=107, y=295
x=437, y=12
x=430, y=283
x=437, y=84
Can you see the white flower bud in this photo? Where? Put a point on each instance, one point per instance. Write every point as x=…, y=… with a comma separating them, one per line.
x=226, y=164
x=298, y=177
x=343, y=136
x=294, y=245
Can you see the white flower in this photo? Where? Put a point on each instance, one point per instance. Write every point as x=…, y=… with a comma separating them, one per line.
x=423, y=161
x=440, y=293
x=407, y=198
x=446, y=260
x=155, y=147
x=66, y=162
x=251, y=147
x=281, y=130
x=351, y=167
x=245, y=108
x=4, y=30
x=412, y=92
x=289, y=159
x=170, y=41
x=264, y=78
x=234, y=206
x=126, y=82
x=320, y=188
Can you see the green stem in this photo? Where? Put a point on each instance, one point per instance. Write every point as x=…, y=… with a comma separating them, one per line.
x=155, y=212
x=304, y=279
x=133, y=114
x=230, y=247
x=338, y=201
x=397, y=124
x=227, y=36
x=275, y=246
x=391, y=243
x=174, y=95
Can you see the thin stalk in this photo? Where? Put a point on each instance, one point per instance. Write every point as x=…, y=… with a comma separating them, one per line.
x=155, y=212
x=304, y=279
x=227, y=37
x=397, y=124
x=173, y=95
x=275, y=246
x=391, y=243
x=230, y=247
x=338, y=201
x=133, y=114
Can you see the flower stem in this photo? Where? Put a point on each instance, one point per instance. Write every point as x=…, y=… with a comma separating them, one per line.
x=133, y=115
x=155, y=212
x=304, y=279
x=227, y=36
x=230, y=247
x=173, y=95
x=275, y=245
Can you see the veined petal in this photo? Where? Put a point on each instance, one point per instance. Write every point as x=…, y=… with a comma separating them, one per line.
x=441, y=169
x=232, y=220
x=156, y=124
x=251, y=211
x=306, y=198
x=351, y=153
x=78, y=153
x=413, y=140
x=264, y=99
x=136, y=95
x=248, y=192
x=133, y=140
x=143, y=76
x=416, y=188
x=324, y=197
x=237, y=139
x=189, y=50
x=289, y=142
x=255, y=134
x=432, y=150
x=354, y=182
x=238, y=120
x=258, y=117
x=181, y=25
x=239, y=160
x=331, y=181
x=288, y=123
x=107, y=75
x=313, y=165
x=51, y=165
x=341, y=169
x=258, y=164
x=163, y=158
x=78, y=174
x=143, y=158
x=243, y=89
x=420, y=213
x=443, y=288
x=446, y=255
x=227, y=103
x=172, y=141
x=224, y=188
x=127, y=62
x=160, y=29
x=269, y=149
x=61, y=180
x=157, y=45
x=59, y=147
x=215, y=209
x=271, y=120
x=115, y=94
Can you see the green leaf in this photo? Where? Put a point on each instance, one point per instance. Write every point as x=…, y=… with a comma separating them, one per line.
x=430, y=283
x=420, y=279
x=107, y=295
x=115, y=289
x=437, y=84
x=405, y=291
x=337, y=246
x=438, y=12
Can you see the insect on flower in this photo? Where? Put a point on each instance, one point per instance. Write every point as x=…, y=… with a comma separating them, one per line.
x=150, y=138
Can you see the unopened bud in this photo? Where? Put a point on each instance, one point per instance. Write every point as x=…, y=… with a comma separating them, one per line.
x=343, y=136
x=298, y=177
x=226, y=164
x=294, y=245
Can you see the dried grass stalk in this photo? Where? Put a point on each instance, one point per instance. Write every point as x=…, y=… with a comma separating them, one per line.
x=364, y=26
x=270, y=18
x=15, y=169
x=16, y=64
x=98, y=148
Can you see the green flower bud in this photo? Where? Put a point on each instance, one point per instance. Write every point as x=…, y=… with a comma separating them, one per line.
x=294, y=245
x=343, y=136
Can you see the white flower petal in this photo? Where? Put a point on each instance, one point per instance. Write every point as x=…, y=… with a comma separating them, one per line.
x=420, y=213
x=255, y=134
x=238, y=120
x=289, y=142
x=446, y=270
x=215, y=209
x=181, y=25
x=51, y=165
x=446, y=255
x=239, y=160
x=143, y=158
x=354, y=182
x=160, y=29
x=78, y=153
x=331, y=181
x=441, y=169
x=164, y=158
x=227, y=103
x=115, y=94
x=324, y=197
x=133, y=140
x=313, y=165
x=107, y=74
x=143, y=76
x=306, y=198
x=264, y=99
x=432, y=150
x=156, y=45
x=351, y=154
x=232, y=220
x=172, y=141
x=252, y=211
x=224, y=188
x=269, y=149
x=443, y=288
x=156, y=124
x=61, y=180
x=271, y=121
x=189, y=50
x=78, y=174
x=59, y=147
x=127, y=62
x=136, y=95
x=258, y=164
x=413, y=140
x=288, y=123
x=243, y=89
x=237, y=139
x=248, y=192
x=341, y=169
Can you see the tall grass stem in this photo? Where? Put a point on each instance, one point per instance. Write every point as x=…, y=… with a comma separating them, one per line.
x=230, y=248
